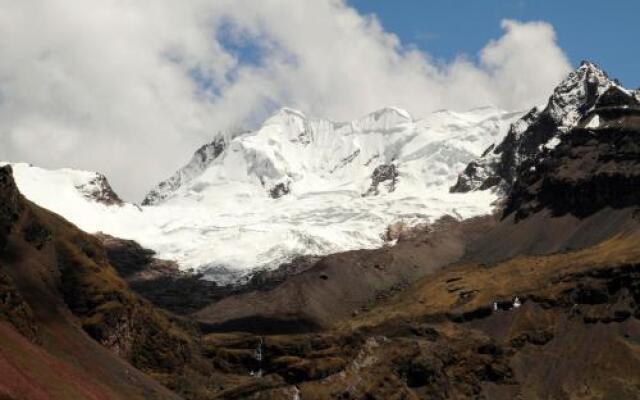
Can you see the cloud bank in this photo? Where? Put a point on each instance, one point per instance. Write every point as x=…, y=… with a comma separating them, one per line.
x=131, y=88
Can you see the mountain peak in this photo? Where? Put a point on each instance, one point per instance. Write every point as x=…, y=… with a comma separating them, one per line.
x=286, y=115
x=385, y=119
x=98, y=188
x=586, y=64
x=589, y=71
x=390, y=111
x=333, y=176
x=577, y=93
x=586, y=72
x=571, y=100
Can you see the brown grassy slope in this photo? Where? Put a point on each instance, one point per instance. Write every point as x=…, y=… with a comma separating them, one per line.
x=112, y=314
x=60, y=274
x=468, y=287
x=576, y=336
x=28, y=371
x=88, y=322
x=344, y=284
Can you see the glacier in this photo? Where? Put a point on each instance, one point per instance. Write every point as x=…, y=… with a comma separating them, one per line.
x=295, y=186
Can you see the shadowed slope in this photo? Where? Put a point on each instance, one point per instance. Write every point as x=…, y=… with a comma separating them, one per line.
x=65, y=289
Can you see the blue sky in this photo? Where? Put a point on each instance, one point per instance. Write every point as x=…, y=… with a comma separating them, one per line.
x=606, y=33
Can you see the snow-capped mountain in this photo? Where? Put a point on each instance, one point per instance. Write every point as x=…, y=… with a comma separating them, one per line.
x=571, y=100
x=294, y=186
x=295, y=155
x=300, y=185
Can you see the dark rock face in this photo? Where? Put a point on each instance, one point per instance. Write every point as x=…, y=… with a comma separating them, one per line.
x=159, y=281
x=346, y=161
x=617, y=98
x=474, y=177
x=132, y=261
x=596, y=165
x=604, y=295
x=162, y=283
x=385, y=173
x=280, y=189
x=10, y=203
x=571, y=101
x=210, y=150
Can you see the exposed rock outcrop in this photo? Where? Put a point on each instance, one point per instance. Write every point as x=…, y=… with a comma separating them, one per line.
x=99, y=189
x=386, y=174
x=133, y=262
x=595, y=165
x=280, y=189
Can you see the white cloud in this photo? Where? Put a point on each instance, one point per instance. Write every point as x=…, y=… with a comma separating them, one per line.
x=109, y=85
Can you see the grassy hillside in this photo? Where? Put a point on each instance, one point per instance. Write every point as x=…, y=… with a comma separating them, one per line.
x=58, y=291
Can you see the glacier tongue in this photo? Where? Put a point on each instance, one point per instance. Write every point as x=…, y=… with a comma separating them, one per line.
x=296, y=186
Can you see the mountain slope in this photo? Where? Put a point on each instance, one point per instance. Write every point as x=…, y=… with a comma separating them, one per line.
x=573, y=196
x=79, y=322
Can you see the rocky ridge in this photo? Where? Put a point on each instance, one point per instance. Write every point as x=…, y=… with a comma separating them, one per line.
x=202, y=158
x=538, y=129
x=595, y=165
